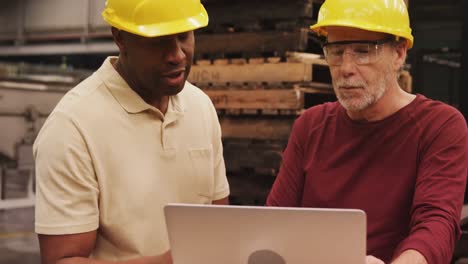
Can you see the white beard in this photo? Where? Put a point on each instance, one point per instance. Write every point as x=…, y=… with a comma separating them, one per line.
x=356, y=101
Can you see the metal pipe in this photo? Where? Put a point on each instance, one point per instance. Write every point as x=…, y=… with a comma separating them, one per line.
x=20, y=114
x=60, y=49
x=59, y=36
x=12, y=114
x=86, y=21
x=20, y=20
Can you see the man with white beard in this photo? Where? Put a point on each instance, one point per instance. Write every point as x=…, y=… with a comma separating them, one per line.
x=402, y=158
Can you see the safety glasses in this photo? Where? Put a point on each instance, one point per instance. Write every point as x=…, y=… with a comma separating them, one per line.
x=362, y=52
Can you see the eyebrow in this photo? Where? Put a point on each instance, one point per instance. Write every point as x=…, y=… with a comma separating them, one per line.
x=376, y=42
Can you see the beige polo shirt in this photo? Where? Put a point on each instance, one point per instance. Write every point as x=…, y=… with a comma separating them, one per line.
x=107, y=160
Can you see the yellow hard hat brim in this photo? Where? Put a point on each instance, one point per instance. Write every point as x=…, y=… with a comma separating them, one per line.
x=320, y=28
x=162, y=29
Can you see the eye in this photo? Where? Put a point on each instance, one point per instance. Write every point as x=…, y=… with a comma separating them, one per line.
x=361, y=49
x=183, y=36
x=335, y=50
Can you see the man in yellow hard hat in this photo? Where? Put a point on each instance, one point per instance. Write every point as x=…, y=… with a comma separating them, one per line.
x=402, y=158
x=131, y=138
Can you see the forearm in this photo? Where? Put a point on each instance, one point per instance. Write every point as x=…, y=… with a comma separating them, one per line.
x=410, y=257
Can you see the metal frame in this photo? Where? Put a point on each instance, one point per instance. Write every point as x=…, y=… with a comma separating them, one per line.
x=53, y=49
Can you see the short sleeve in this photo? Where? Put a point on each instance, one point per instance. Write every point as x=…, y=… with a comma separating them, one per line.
x=66, y=187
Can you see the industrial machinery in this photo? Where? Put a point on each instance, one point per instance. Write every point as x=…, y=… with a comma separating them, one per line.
x=27, y=95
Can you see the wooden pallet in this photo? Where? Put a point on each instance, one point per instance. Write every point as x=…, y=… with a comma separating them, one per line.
x=256, y=127
x=266, y=100
x=260, y=73
x=249, y=43
x=265, y=15
x=258, y=70
x=272, y=85
x=274, y=26
x=256, y=99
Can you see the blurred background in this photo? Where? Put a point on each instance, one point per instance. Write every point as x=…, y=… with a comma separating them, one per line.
x=257, y=60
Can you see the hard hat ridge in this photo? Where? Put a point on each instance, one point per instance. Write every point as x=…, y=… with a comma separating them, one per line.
x=152, y=18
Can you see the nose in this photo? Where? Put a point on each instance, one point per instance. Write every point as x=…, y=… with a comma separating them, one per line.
x=348, y=67
x=175, y=52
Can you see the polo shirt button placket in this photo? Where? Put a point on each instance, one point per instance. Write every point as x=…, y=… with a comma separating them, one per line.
x=167, y=146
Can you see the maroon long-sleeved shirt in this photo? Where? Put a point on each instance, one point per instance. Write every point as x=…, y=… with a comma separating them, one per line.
x=408, y=172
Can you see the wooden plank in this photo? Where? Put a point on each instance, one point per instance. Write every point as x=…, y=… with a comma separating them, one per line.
x=315, y=87
x=257, y=99
x=309, y=58
x=273, y=60
x=202, y=62
x=251, y=42
x=255, y=128
x=239, y=61
x=221, y=62
x=256, y=60
x=317, y=90
x=267, y=72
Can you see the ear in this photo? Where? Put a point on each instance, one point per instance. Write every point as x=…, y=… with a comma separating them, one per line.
x=401, y=52
x=118, y=39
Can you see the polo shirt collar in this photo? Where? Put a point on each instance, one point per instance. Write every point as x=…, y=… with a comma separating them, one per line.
x=128, y=98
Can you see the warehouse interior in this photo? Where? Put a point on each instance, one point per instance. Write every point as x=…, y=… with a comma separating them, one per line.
x=257, y=60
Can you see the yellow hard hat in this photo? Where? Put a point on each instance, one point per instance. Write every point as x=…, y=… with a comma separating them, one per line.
x=152, y=18
x=387, y=16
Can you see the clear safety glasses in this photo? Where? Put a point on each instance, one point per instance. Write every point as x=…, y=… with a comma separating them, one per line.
x=361, y=51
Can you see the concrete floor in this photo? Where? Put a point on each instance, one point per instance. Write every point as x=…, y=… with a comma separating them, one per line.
x=18, y=242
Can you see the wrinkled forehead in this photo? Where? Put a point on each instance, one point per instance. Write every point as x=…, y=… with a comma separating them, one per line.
x=349, y=34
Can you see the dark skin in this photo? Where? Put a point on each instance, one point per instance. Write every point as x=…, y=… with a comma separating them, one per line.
x=155, y=68
x=151, y=65
x=76, y=248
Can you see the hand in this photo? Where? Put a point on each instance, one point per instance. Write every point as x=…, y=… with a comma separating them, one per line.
x=373, y=260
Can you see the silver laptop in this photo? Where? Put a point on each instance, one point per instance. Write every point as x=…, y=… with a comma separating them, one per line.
x=213, y=234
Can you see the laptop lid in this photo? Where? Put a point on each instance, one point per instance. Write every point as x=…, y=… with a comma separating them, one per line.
x=214, y=234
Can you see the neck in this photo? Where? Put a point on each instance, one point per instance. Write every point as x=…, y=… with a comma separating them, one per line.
x=157, y=101
x=162, y=103
x=391, y=101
